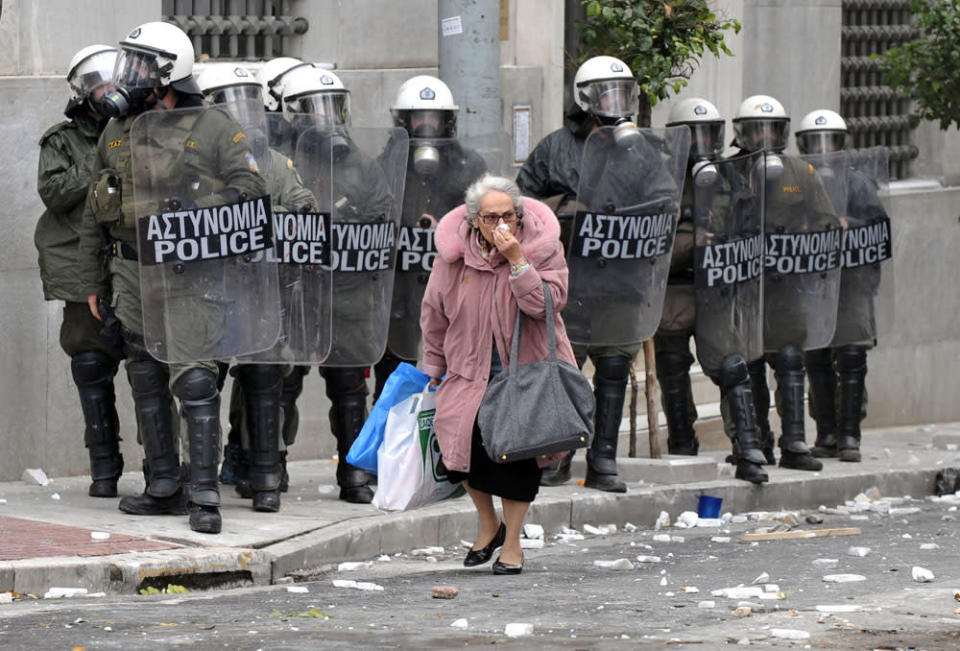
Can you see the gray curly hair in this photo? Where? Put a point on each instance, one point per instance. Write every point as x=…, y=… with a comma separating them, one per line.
x=485, y=184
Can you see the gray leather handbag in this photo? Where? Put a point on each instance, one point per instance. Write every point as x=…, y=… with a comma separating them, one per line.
x=536, y=409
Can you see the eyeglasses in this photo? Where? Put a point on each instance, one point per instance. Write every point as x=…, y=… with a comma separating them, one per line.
x=492, y=218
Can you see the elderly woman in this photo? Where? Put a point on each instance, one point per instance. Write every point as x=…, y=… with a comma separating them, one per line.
x=494, y=254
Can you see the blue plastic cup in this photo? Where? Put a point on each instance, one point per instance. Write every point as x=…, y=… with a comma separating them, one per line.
x=709, y=506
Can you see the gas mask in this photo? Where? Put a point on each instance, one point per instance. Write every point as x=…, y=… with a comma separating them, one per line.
x=426, y=159
x=704, y=173
x=126, y=101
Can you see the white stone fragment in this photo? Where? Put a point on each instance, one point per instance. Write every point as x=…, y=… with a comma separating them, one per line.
x=789, y=634
x=55, y=496
x=460, y=623
x=843, y=578
x=763, y=578
x=707, y=604
x=35, y=477
x=739, y=592
x=709, y=522
x=720, y=539
x=298, y=589
x=357, y=585
x=922, y=574
x=531, y=543
x=690, y=589
x=677, y=539
x=426, y=551
x=648, y=559
x=826, y=563
x=618, y=564
x=350, y=566
x=771, y=587
x=518, y=629
x=629, y=527
x=663, y=581
x=738, y=519
x=662, y=521
x=100, y=535
x=929, y=546
x=686, y=520
x=661, y=537
x=7, y=598
x=858, y=551
x=56, y=593
x=838, y=608
x=532, y=531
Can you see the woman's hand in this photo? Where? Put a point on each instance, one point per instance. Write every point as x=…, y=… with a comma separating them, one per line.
x=508, y=245
x=92, y=304
x=434, y=381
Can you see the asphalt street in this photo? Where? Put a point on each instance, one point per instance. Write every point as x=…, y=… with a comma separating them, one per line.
x=570, y=601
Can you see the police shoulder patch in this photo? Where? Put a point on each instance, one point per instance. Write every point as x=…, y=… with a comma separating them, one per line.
x=191, y=144
x=113, y=144
x=240, y=136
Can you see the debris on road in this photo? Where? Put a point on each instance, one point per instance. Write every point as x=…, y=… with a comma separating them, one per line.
x=350, y=566
x=843, y=578
x=742, y=611
x=34, y=477
x=444, y=592
x=801, y=533
x=789, y=634
x=619, y=564
x=518, y=629
x=357, y=585
x=858, y=551
x=460, y=623
x=922, y=574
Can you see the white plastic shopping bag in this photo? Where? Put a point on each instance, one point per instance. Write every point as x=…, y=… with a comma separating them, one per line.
x=410, y=471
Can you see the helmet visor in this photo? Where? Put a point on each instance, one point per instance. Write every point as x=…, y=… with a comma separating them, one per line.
x=427, y=123
x=754, y=134
x=324, y=108
x=611, y=97
x=819, y=142
x=92, y=73
x=136, y=69
x=706, y=139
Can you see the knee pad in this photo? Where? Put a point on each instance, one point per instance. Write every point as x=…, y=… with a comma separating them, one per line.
x=671, y=364
x=612, y=369
x=147, y=376
x=341, y=380
x=790, y=358
x=196, y=385
x=852, y=357
x=733, y=371
x=258, y=378
x=91, y=368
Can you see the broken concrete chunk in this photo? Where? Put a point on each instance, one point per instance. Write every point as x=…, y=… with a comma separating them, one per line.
x=686, y=520
x=35, y=477
x=518, y=629
x=444, y=592
x=843, y=578
x=57, y=593
x=789, y=634
x=706, y=604
x=648, y=559
x=532, y=531
x=619, y=564
x=922, y=574
x=662, y=521
x=858, y=551
x=826, y=563
x=460, y=623
x=763, y=578
x=350, y=566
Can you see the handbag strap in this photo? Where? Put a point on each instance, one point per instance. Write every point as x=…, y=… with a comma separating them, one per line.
x=551, y=329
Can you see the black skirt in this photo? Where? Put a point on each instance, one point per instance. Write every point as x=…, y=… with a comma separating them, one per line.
x=516, y=480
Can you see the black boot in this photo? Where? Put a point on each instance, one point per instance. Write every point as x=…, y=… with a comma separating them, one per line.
x=673, y=374
x=735, y=386
x=852, y=363
x=262, y=384
x=93, y=374
x=761, y=400
x=822, y=403
x=153, y=405
x=610, y=388
x=235, y=466
x=789, y=374
x=558, y=473
x=347, y=390
x=292, y=388
x=200, y=400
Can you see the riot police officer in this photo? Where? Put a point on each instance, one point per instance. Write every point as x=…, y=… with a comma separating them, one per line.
x=717, y=207
x=439, y=170
x=64, y=174
x=256, y=394
x=838, y=396
x=604, y=94
x=798, y=307
x=208, y=157
x=342, y=175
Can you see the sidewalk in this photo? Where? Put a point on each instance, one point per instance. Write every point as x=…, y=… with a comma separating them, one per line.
x=56, y=536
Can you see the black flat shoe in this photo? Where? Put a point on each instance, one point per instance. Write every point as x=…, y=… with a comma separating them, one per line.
x=505, y=568
x=480, y=556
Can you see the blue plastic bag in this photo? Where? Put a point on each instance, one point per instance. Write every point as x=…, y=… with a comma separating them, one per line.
x=404, y=382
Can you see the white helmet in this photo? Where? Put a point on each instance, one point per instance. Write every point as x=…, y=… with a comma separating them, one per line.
x=425, y=108
x=226, y=82
x=271, y=76
x=318, y=93
x=91, y=68
x=156, y=55
x=605, y=86
x=821, y=131
x=706, y=126
x=761, y=123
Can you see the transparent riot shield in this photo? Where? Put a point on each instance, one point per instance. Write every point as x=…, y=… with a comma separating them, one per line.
x=620, y=243
x=438, y=175
x=203, y=223
x=803, y=234
x=728, y=260
x=867, y=280
x=359, y=173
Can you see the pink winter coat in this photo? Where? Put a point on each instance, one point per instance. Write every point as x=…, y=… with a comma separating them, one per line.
x=470, y=303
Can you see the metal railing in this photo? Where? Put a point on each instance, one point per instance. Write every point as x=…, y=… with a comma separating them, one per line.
x=875, y=115
x=237, y=29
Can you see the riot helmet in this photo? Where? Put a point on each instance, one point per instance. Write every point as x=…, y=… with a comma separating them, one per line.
x=761, y=123
x=271, y=76
x=425, y=108
x=605, y=87
x=153, y=58
x=90, y=76
x=706, y=136
x=820, y=132
x=232, y=86
x=317, y=94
